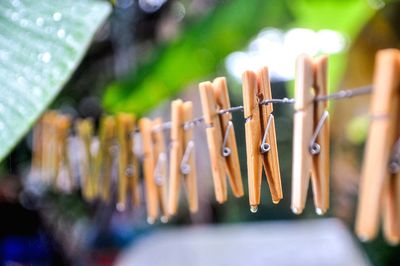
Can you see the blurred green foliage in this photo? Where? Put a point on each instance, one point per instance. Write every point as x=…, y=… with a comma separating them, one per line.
x=200, y=50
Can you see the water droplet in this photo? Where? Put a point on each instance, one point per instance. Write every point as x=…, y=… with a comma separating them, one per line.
x=61, y=33
x=1, y=125
x=21, y=80
x=16, y=3
x=14, y=16
x=150, y=220
x=275, y=201
x=23, y=23
x=120, y=206
x=1, y=108
x=45, y=57
x=39, y=21
x=253, y=208
x=364, y=238
x=57, y=16
x=37, y=91
x=164, y=219
x=319, y=211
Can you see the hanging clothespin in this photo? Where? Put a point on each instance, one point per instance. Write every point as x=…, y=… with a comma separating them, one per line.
x=380, y=182
x=152, y=202
x=49, y=146
x=128, y=174
x=85, y=131
x=182, y=160
x=37, y=149
x=310, y=135
x=104, y=160
x=65, y=179
x=160, y=167
x=221, y=138
x=261, y=146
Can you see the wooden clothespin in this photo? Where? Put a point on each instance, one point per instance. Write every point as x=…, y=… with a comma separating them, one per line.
x=182, y=160
x=380, y=171
x=310, y=135
x=37, y=149
x=85, y=131
x=49, y=147
x=152, y=202
x=128, y=174
x=261, y=146
x=105, y=155
x=160, y=167
x=65, y=179
x=221, y=138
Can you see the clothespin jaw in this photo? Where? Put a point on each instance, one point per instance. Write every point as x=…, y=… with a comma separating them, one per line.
x=214, y=140
x=105, y=157
x=146, y=126
x=127, y=174
x=176, y=151
x=310, y=116
x=269, y=148
x=253, y=137
x=85, y=131
x=188, y=166
x=228, y=132
x=376, y=180
x=160, y=167
x=65, y=178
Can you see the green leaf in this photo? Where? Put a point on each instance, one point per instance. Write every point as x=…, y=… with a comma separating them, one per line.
x=41, y=44
x=195, y=55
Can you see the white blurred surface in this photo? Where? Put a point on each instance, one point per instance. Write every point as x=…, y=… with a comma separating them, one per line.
x=306, y=242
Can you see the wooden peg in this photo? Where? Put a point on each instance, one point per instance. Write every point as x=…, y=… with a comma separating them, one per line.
x=188, y=143
x=64, y=178
x=176, y=153
x=214, y=139
x=320, y=164
x=37, y=149
x=231, y=161
x=253, y=137
x=270, y=158
x=383, y=132
x=104, y=160
x=49, y=154
x=126, y=171
x=309, y=115
x=85, y=131
x=145, y=125
x=160, y=167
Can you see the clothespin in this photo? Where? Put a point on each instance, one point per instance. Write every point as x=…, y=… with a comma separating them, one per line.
x=128, y=174
x=152, y=202
x=85, y=131
x=37, y=149
x=49, y=145
x=160, y=167
x=380, y=171
x=261, y=146
x=182, y=161
x=310, y=135
x=221, y=138
x=64, y=178
x=105, y=155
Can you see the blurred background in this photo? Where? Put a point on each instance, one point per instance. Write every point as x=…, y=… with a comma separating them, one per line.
x=148, y=52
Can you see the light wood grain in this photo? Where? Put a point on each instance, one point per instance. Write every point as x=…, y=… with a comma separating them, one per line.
x=253, y=136
x=302, y=132
x=270, y=158
x=152, y=206
x=232, y=164
x=383, y=131
x=214, y=140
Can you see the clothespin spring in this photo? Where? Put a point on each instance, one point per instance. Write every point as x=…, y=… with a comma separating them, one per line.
x=185, y=167
x=314, y=147
x=225, y=150
x=158, y=177
x=265, y=147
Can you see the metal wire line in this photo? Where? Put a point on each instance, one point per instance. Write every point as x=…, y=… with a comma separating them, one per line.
x=342, y=94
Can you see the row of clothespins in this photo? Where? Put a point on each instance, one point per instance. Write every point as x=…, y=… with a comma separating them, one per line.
x=165, y=170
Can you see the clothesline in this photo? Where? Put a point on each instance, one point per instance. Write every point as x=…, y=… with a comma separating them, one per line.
x=342, y=94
